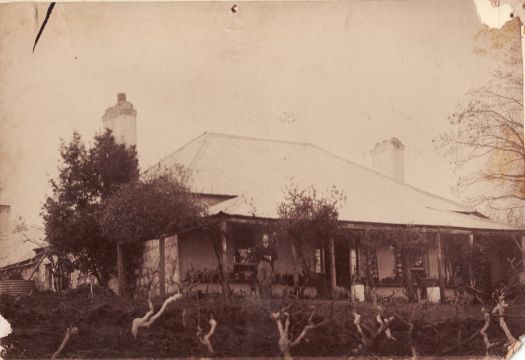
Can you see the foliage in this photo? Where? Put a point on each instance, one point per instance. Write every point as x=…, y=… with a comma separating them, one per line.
x=310, y=220
x=72, y=213
x=486, y=142
x=410, y=240
x=159, y=204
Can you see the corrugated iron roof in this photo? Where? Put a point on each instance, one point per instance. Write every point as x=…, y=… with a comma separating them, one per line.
x=258, y=172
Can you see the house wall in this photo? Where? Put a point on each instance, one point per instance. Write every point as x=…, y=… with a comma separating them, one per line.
x=197, y=253
x=148, y=274
x=386, y=261
x=172, y=264
x=40, y=278
x=284, y=263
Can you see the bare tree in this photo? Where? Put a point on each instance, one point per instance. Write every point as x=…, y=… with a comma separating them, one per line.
x=70, y=331
x=205, y=337
x=287, y=340
x=486, y=142
x=150, y=317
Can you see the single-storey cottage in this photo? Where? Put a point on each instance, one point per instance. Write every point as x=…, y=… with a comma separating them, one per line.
x=243, y=180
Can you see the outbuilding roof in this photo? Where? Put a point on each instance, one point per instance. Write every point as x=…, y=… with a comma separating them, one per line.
x=20, y=246
x=258, y=172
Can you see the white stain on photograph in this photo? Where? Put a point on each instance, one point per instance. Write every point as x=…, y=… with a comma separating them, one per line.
x=492, y=15
x=5, y=329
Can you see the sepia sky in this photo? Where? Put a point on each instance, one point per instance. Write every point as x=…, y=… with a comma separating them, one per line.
x=341, y=75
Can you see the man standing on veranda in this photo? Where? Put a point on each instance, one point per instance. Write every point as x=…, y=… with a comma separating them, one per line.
x=265, y=255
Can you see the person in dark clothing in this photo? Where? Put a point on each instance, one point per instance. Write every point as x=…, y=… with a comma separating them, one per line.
x=265, y=255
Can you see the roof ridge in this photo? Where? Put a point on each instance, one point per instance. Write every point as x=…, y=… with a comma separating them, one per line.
x=253, y=138
x=395, y=180
x=174, y=152
x=200, y=153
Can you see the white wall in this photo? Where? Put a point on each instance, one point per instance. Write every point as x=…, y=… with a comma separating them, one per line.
x=432, y=260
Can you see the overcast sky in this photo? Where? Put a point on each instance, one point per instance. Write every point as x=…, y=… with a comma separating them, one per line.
x=341, y=75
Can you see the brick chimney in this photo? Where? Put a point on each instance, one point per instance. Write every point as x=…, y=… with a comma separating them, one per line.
x=5, y=222
x=388, y=157
x=121, y=118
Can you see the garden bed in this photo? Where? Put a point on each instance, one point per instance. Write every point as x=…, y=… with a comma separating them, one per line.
x=245, y=327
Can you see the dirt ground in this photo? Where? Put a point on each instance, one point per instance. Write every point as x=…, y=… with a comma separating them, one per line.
x=244, y=329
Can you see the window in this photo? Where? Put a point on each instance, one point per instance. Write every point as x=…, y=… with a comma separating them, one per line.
x=318, y=261
x=353, y=262
x=244, y=256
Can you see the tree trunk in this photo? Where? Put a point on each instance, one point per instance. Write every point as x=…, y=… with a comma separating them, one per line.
x=120, y=269
x=162, y=267
x=221, y=254
x=295, y=260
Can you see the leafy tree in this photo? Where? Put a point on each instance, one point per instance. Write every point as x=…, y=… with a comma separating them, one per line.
x=486, y=142
x=310, y=221
x=158, y=204
x=72, y=214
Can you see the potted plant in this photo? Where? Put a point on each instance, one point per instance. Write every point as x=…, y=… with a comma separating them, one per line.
x=433, y=294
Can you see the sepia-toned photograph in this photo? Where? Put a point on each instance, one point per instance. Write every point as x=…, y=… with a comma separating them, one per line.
x=262, y=179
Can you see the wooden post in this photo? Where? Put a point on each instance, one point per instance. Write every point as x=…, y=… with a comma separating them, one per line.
x=120, y=269
x=351, y=282
x=470, y=247
x=367, y=259
x=295, y=264
x=224, y=244
x=224, y=260
x=162, y=268
x=333, y=280
x=441, y=266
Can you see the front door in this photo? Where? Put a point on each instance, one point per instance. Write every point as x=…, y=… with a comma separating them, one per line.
x=342, y=263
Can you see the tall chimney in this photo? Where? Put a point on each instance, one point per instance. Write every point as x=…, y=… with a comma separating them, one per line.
x=388, y=157
x=5, y=222
x=121, y=119
x=121, y=98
